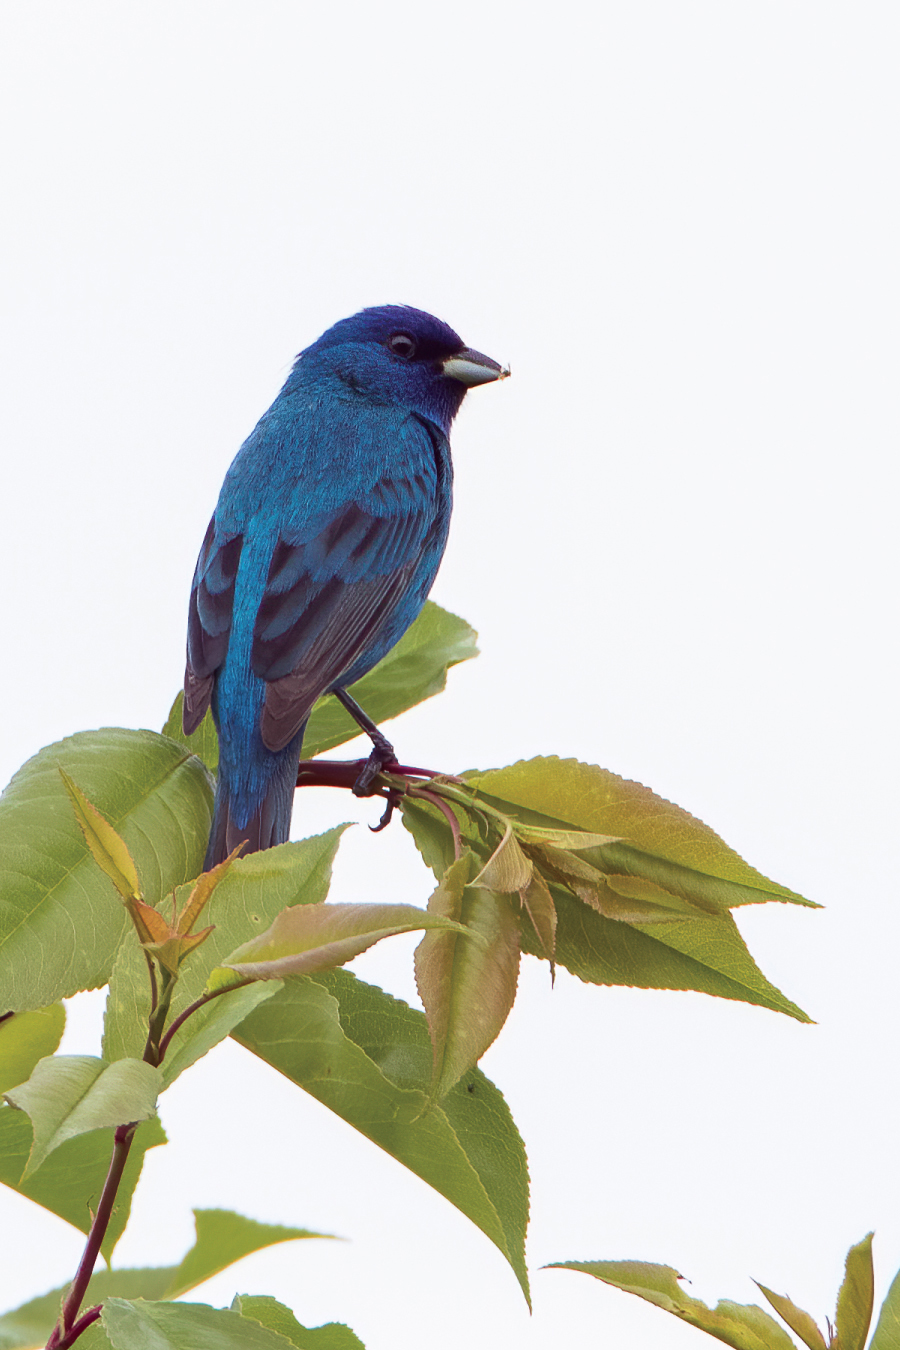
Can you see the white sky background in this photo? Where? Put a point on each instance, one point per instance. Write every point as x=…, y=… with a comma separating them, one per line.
x=674, y=530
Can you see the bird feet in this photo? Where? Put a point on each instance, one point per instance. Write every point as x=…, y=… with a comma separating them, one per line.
x=383, y=757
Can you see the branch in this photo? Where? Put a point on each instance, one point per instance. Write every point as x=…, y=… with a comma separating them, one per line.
x=343, y=773
x=195, y=1007
x=70, y=1326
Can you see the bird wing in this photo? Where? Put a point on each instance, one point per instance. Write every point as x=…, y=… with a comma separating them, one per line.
x=209, y=620
x=332, y=591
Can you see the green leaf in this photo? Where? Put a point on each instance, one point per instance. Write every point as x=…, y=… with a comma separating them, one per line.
x=108, y=849
x=705, y=954
x=70, y=1182
x=25, y=1038
x=275, y=1316
x=742, y=1326
x=245, y=903
x=856, y=1297
x=412, y=671
x=68, y=1095
x=61, y=921
x=211, y=1024
x=624, y=917
x=368, y=1058
x=565, y=839
x=887, y=1332
x=431, y=834
x=467, y=988
x=664, y=843
x=307, y=938
x=224, y=1237
x=204, y=743
x=799, y=1321
x=93, y=1338
x=538, y=904
x=507, y=869
x=31, y=1324
x=184, y=1326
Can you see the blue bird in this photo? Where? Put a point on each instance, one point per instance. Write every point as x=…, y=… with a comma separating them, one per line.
x=325, y=542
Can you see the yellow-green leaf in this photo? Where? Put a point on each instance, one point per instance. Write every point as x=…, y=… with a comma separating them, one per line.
x=742, y=1326
x=799, y=1321
x=538, y=905
x=307, y=938
x=856, y=1297
x=467, y=989
x=507, y=869
x=26, y=1038
x=203, y=888
x=69, y=1095
x=108, y=848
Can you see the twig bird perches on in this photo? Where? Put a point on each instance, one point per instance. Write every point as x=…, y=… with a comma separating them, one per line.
x=325, y=542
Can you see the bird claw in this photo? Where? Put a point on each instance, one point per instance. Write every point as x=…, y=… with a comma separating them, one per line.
x=393, y=796
x=383, y=757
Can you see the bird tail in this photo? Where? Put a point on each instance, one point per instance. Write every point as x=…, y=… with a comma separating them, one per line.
x=263, y=818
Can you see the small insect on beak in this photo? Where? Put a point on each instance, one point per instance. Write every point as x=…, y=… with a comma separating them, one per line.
x=471, y=368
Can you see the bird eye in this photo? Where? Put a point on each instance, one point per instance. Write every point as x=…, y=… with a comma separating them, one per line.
x=402, y=345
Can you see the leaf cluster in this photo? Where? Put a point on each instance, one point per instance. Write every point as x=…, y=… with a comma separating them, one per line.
x=102, y=837
x=750, y=1327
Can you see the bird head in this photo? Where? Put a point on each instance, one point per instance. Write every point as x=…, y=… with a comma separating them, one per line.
x=401, y=355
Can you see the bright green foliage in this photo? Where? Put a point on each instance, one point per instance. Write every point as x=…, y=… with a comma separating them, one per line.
x=742, y=1326
x=69, y=1095
x=412, y=671
x=61, y=922
x=367, y=1056
x=255, y=890
x=31, y=1324
x=887, y=1332
x=747, y=1327
x=71, y=1179
x=275, y=1316
x=212, y=1024
x=108, y=849
x=856, y=1297
x=591, y=893
x=799, y=1321
x=308, y=938
x=467, y=988
x=651, y=831
x=101, y=842
x=25, y=1038
x=177, y=1326
x=223, y=1238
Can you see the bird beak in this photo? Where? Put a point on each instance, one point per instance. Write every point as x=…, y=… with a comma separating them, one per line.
x=471, y=368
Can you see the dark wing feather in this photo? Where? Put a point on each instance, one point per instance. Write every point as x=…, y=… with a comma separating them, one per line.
x=329, y=596
x=357, y=619
x=209, y=621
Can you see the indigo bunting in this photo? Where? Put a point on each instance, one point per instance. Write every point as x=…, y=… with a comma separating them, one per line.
x=325, y=542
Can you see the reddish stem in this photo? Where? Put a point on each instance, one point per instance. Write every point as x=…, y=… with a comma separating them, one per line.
x=81, y=1325
x=65, y=1331
x=194, y=1007
x=343, y=773
x=447, y=812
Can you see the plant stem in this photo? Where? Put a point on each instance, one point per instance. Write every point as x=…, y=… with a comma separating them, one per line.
x=195, y=1007
x=152, y=1050
x=154, y=992
x=344, y=773
x=426, y=795
x=65, y=1330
